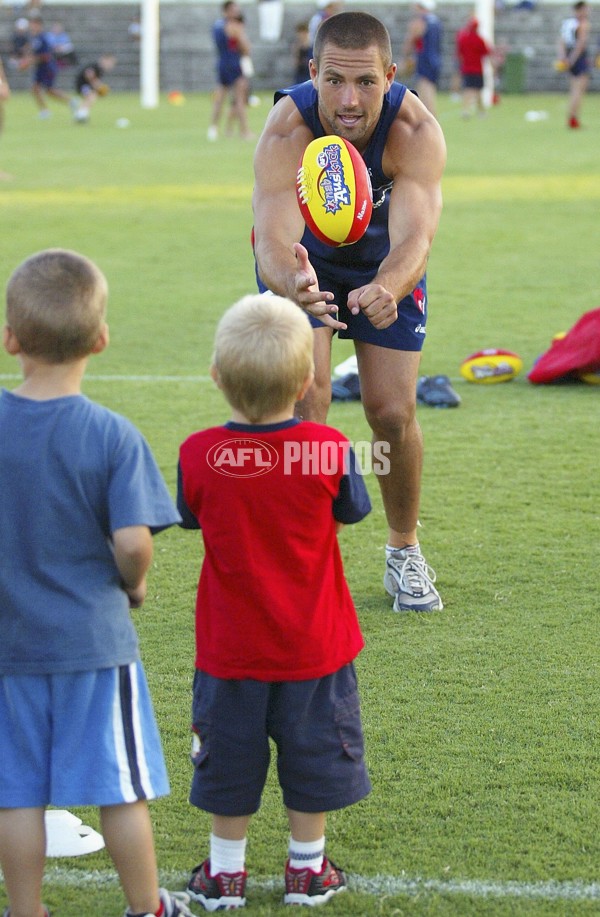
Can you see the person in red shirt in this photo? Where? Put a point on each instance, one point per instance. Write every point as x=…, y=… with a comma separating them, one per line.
x=276, y=627
x=471, y=51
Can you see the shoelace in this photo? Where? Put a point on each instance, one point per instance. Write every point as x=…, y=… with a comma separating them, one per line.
x=415, y=576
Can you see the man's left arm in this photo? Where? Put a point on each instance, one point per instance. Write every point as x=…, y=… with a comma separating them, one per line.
x=415, y=157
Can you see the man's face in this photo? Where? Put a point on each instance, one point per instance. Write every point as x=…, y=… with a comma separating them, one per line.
x=351, y=84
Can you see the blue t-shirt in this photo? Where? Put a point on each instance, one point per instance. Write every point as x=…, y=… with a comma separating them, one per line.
x=71, y=473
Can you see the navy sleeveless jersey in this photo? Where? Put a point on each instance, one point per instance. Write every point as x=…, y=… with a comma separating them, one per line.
x=366, y=255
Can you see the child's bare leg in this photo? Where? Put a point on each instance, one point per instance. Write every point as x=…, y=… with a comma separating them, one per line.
x=230, y=827
x=127, y=831
x=306, y=826
x=22, y=857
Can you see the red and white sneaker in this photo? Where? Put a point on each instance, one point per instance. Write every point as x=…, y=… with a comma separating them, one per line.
x=305, y=886
x=222, y=892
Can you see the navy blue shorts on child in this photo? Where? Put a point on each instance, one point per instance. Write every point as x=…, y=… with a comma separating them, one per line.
x=315, y=725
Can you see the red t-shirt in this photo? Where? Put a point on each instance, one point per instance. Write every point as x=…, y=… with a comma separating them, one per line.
x=471, y=50
x=272, y=603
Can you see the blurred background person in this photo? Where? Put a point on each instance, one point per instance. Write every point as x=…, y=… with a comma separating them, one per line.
x=4, y=97
x=325, y=9
x=134, y=29
x=574, y=56
x=471, y=51
x=301, y=52
x=19, y=42
x=423, y=45
x=40, y=56
x=62, y=46
x=232, y=44
x=90, y=84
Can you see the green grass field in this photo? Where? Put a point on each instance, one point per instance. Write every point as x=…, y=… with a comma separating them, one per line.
x=482, y=721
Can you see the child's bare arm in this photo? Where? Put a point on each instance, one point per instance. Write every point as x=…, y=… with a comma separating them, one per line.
x=133, y=556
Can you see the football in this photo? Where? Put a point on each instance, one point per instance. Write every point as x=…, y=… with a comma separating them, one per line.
x=491, y=365
x=591, y=377
x=334, y=191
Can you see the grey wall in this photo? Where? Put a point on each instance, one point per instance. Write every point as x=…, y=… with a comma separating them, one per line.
x=187, y=59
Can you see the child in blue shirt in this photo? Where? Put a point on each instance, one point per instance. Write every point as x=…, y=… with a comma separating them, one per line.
x=80, y=498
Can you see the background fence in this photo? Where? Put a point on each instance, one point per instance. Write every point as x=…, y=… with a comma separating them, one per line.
x=187, y=58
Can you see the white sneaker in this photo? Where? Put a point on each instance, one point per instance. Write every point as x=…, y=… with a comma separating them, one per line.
x=410, y=580
x=212, y=133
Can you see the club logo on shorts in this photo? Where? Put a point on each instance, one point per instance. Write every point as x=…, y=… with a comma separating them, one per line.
x=419, y=299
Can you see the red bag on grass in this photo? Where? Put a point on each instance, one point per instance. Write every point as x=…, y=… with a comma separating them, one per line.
x=577, y=352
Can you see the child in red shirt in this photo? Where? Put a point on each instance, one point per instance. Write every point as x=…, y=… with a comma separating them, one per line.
x=276, y=627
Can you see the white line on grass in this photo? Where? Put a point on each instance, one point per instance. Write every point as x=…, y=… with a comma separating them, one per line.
x=151, y=379
x=91, y=378
x=375, y=885
x=478, y=888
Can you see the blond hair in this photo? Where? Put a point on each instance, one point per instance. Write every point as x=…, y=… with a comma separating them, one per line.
x=56, y=305
x=263, y=354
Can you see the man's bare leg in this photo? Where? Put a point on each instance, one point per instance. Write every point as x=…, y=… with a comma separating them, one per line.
x=315, y=404
x=388, y=380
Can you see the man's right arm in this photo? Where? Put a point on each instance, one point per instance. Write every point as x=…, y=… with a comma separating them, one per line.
x=282, y=262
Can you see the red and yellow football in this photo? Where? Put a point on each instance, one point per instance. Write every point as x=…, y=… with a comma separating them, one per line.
x=491, y=365
x=334, y=191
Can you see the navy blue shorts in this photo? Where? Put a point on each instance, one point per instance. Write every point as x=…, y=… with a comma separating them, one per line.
x=581, y=65
x=228, y=74
x=472, y=80
x=45, y=75
x=316, y=728
x=428, y=71
x=407, y=332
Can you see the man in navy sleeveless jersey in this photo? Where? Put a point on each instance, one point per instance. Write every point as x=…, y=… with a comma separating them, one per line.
x=374, y=291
